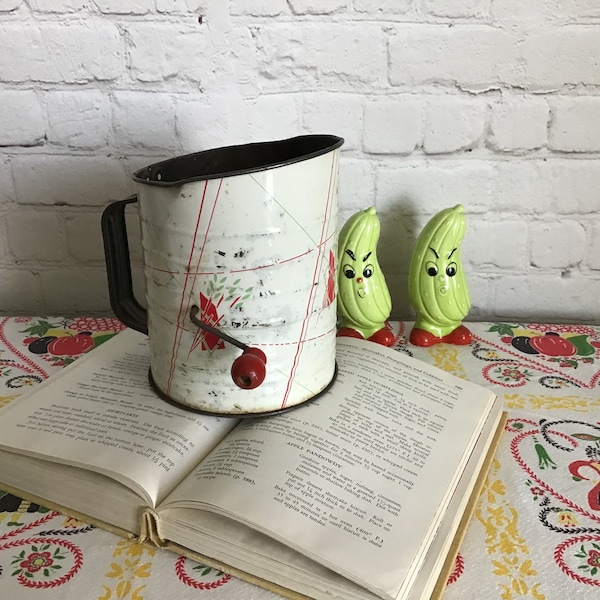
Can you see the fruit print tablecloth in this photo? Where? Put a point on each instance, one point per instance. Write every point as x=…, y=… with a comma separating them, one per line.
x=535, y=532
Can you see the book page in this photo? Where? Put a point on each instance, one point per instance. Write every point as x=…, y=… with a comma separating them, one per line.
x=100, y=413
x=357, y=479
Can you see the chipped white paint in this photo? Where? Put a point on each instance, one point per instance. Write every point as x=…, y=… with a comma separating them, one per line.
x=254, y=253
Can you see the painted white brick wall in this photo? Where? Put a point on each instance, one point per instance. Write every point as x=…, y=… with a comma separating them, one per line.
x=494, y=105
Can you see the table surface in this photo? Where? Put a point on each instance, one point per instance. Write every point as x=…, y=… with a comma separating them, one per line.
x=535, y=532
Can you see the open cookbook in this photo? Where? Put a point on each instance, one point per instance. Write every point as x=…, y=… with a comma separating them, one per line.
x=361, y=493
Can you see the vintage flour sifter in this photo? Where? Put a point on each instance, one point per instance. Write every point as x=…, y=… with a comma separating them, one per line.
x=239, y=251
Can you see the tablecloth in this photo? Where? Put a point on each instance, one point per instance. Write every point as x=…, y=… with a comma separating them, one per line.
x=536, y=528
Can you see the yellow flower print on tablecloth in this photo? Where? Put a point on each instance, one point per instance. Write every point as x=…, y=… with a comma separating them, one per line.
x=493, y=489
x=132, y=548
x=541, y=402
x=72, y=523
x=507, y=549
x=128, y=570
x=445, y=357
x=567, y=518
x=4, y=400
x=519, y=572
